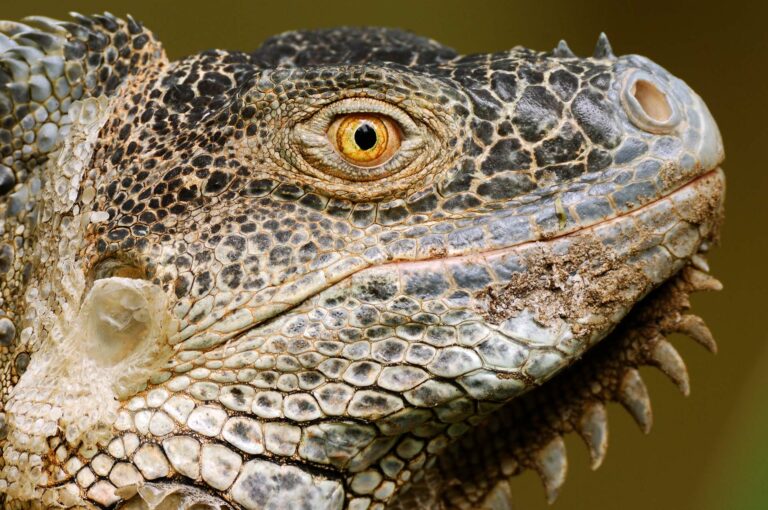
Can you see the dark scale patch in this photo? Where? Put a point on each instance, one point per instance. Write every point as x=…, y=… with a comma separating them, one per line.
x=182, y=286
x=423, y=204
x=506, y=155
x=280, y=256
x=389, y=350
x=566, y=146
x=506, y=186
x=363, y=215
x=288, y=192
x=313, y=201
x=214, y=84
x=598, y=159
x=461, y=202
x=504, y=85
x=255, y=188
x=307, y=252
x=392, y=215
x=7, y=180
x=484, y=105
x=376, y=290
x=202, y=284
x=426, y=285
x=596, y=118
x=564, y=84
x=530, y=74
x=537, y=112
x=484, y=131
x=366, y=315
x=216, y=183
x=601, y=81
x=559, y=173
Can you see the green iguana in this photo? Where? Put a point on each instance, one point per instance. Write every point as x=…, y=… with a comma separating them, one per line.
x=350, y=269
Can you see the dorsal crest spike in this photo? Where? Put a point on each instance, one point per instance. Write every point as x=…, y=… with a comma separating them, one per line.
x=562, y=50
x=603, y=48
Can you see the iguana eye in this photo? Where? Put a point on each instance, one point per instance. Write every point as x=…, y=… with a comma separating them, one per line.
x=364, y=139
x=361, y=140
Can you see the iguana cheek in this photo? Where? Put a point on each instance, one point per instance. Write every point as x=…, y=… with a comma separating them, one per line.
x=110, y=350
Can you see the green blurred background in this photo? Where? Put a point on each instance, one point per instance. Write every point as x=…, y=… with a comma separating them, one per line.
x=709, y=451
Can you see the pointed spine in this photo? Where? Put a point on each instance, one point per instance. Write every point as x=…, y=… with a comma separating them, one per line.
x=79, y=32
x=700, y=262
x=12, y=28
x=665, y=357
x=603, y=48
x=593, y=429
x=552, y=465
x=633, y=395
x=563, y=51
x=695, y=327
x=82, y=19
x=47, y=24
x=702, y=281
x=47, y=42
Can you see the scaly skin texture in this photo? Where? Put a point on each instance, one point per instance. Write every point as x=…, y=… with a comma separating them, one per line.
x=205, y=306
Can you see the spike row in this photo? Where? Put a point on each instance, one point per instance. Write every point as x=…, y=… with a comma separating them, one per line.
x=603, y=49
x=632, y=393
x=528, y=433
x=659, y=352
x=47, y=64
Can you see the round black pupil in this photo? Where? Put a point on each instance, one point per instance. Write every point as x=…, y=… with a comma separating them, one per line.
x=365, y=137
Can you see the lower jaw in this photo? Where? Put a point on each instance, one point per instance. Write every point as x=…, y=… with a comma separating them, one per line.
x=527, y=433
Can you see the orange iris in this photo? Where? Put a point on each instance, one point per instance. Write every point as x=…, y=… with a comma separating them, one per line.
x=365, y=139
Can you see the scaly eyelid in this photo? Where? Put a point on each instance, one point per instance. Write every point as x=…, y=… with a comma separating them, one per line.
x=322, y=119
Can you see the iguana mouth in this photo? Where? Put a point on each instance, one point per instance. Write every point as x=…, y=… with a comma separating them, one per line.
x=708, y=184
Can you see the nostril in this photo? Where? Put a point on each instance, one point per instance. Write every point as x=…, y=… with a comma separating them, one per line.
x=652, y=100
x=650, y=103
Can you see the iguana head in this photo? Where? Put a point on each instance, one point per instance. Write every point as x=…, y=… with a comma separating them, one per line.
x=296, y=277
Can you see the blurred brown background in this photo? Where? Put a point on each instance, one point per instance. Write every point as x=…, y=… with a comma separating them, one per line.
x=708, y=451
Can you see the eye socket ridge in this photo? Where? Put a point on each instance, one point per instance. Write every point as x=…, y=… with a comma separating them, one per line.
x=327, y=140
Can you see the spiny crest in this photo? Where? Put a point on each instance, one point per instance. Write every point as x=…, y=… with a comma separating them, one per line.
x=603, y=49
x=591, y=420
